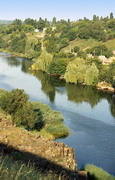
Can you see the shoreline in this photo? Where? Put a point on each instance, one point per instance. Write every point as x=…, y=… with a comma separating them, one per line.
x=98, y=86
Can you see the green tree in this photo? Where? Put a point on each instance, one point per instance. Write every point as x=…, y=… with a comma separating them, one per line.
x=17, y=22
x=111, y=24
x=16, y=104
x=75, y=72
x=41, y=24
x=31, y=22
x=54, y=21
x=94, y=17
x=33, y=47
x=64, y=42
x=100, y=50
x=58, y=66
x=91, y=76
x=18, y=42
x=111, y=16
x=76, y=49
x=43, y=61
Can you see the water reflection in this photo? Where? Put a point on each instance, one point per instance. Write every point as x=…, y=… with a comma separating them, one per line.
x=48, y=84
x=51, y=85
x=25, y=66
x=75, y=93
x=112, y=105
x=87, y=112
x=12, y=61
x=81, y=94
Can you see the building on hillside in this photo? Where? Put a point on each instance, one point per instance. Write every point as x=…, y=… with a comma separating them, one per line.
x=106, y=60
x=36, y=30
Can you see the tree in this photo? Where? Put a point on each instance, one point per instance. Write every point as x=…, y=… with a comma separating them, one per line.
x=111, y=24
x=41, y=24
x=17, y=22
x=100, y=50
x=75, y=72
x=27, y=28
x=58, y=66
x=84, y=32
x=111, y=72
x=18, y=42
x=31, y=22
x=94, y=17
x=43, y=61
x=54, y=21
x=111, y=16
x=76, y=49
x=16, y=104
x=91, y=77
x=68, y=21
x=32, y=48
x=63, y=43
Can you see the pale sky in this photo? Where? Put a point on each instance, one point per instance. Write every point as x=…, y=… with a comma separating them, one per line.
x=61, y=9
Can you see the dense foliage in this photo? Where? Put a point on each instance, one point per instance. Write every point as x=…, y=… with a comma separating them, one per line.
x=16, y=104
x=55, y=46
x=32, y=115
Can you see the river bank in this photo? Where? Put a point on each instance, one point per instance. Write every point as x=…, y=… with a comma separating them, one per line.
x=51, y=154
x=6, y=52
x=88, y=113
x=101, y=86
x=105, y=87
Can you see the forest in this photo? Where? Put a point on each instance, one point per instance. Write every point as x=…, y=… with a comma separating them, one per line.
x=82, y=51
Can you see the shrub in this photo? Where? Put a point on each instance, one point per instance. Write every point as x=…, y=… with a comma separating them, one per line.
x=16, y=104
x=76, y=49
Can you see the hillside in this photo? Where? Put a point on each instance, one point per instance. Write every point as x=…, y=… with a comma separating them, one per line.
x=85, y=44
x=80, y=52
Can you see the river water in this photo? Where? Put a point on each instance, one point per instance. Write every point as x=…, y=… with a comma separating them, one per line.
x=89, y=114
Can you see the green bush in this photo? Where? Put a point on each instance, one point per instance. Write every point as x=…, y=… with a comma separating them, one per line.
x=53, y=120
x=16, y=104
x=100, y=50
x=76, y=49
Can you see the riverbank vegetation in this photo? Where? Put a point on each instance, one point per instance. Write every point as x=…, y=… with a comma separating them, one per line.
x=33, y=116
x=62, y=47
x=97, y=173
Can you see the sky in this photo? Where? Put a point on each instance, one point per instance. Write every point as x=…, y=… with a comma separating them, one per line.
x=61, y=9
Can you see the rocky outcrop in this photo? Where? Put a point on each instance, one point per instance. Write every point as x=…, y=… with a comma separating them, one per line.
x=103, y=86
x=30, y=142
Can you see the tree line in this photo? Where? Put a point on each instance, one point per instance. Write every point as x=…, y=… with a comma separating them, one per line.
x=46, y=49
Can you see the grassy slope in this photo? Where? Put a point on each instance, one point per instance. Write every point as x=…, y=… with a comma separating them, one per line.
x=97, y=173
x=10, y=170
x=84, y=44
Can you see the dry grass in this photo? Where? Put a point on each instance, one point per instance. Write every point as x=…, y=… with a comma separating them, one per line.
x=85, y=44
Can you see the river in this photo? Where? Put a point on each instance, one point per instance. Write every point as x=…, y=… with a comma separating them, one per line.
x=89, y=114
